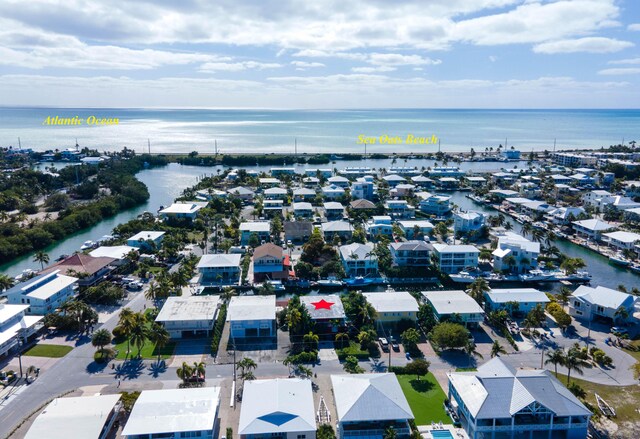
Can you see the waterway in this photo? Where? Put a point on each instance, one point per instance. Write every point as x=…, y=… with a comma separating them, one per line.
x=167, y=183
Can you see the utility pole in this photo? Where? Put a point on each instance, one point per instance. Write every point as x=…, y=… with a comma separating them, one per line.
x=149, y=146
x=19, y=144
x=554, y=145
x=295, y=147
x=216, y=146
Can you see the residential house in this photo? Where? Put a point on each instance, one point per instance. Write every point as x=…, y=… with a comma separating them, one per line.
x=270, y=263
x=275, y=172
x=507, y=298
x=592, y=229
x=536, y=209
x=359, y=260
x=402, y=190
x=174, y=414
x=565, y=215
x=189, y=316
x=355, y=171
x=303, y=194
x=433, y=204
x=447, y=171
x=210, y=194
x=602, y=303
x=391, y=307
x=416, y=229
x=367, y=405
x=454, y=306
x=399, y=209
x=362, y=189
x=311, y=182
x=503, y=193
x=91, y=269
x=241, y=192
x=404, y=170
x=219, y=269
x=275, y=193
x=273, y=207
x=423, y=182
x=252, y=318
x=333, y=210
x=621, y=240
x=362, y=205
x=393, y=180
x=318, y=172
x=268, y=182
x=119, y=254
x=277, y=408
x=332, y=192
x=475, y=181
x=515, y=253
x=499, y=400
x=455, y=258
x=573, y=160
x=262, y=229
x=468, y=222
x=302, y=210
x=448, y=183
x=379, y=225
x=15, y=326
x=147, y=240
x=594, y=198
x=298, y=231
x=43, y=293
x=411, y=254
x=327, y=313
x=76, y=417
x=182, y=210
x=342, y=229
x=339, y=181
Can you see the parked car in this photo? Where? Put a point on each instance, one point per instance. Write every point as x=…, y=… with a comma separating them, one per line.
x=618, y=330
x=384, y=344
x=134, y=286
x=394, y=344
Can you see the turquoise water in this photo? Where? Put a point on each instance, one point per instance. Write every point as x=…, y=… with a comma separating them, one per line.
x=441, y=434
x=332, y=131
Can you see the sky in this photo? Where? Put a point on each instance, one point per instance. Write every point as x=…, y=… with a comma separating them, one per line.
x=321, y=54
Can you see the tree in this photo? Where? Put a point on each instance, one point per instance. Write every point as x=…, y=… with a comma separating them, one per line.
x=410, y=339
x=426, y=318
x=564, y=295
x=365, y=338
x=247, y=366
x=254, y=241
x=572, y=265
x=390, y=433
x=159, y=336
x=325, y=431
x=622, y=313
x=418, y=367
x=478, y=288
x=497, y=349
x=448, y=335
x=139, y=331
x=184, y=372
x=351, y=365
x=42, y=258
x=6, y=282
x=100, y=339
x=342, y=339
x=555, y=357
x=573, y=361
x=200, y=370
x=310, y=341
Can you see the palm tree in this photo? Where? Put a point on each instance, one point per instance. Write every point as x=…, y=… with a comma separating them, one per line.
x=139, y=331
x=622, y=313
x=100, y=339
x=527, y=228
x=42, y=258
x=159, y=336
x=184, y=372
x=248, y=366
x=471, y=351
x=6, y=282
x=564, y=295
x=572, y=361
x=508, y=226
x=497, y=349
x=200, y=370
x=125, y=325
x=555, y=357
x=342, y=338
x=477, y=289
x=485, y=254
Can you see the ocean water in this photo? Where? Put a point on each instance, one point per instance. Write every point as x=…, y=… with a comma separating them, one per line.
x=331, y=131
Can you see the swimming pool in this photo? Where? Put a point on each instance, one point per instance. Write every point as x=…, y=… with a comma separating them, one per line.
x=441, y=434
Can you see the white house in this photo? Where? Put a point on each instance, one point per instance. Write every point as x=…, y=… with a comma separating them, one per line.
x=333, y=210
x=262, y=229
x=343, y=229
x=303, y=194
x=339, y=180
x=422, y=227
x=564, y=215
x=362, y=189
x=393, y=180
x=368, y=404
x=303, y=210
x=182, y=210
x=455, y=258
x=400, y=209
x=359, y=260
x=468, y=222
x=174, y=414
x=526, y=298
x=252, y=317
x=332, y=192
x=281, y=408
x=601, y=302
x=621, y=240
x=43, y=293
x=76, y=417
x=499, y=400
x=189, y=316
x=450, y=304
x=275, y=193
x=394, y=306
x=379, y=225
x=219, y=269
x=524, y=253
x=433, y=204
x=415, y=253
x=592, y=228
x=145, y=239
x=15, y=325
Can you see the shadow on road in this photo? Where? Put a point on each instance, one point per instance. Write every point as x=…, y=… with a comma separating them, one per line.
x=130, y=369
x=156, y=368
x=96, y=367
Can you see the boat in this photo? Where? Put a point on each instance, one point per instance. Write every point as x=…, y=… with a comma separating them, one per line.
x=87, y=245
x=330, y=282
x=62, y=258
x=276, y=284
x=359, y=281
x=618, y=259
x=605, y=408
x=25, y=275
x=635, y=268
x=463, y=277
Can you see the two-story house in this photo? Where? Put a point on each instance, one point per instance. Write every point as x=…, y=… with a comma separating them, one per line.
x=411, y=254
x=219, y=269
x=15, y=325
x=455, y=258
x=43, y=293
x=189, y=316
x=359, y=260
x=270, y=263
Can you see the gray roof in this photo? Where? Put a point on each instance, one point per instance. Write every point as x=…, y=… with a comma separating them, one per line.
x=219, y=261
x=189, y=308
x=363, y=251
x=336, y=226
x=452, y=302
x=497, y=390
x=605, y=297
x=412, y=246
x=369, y=397
x=331, y=301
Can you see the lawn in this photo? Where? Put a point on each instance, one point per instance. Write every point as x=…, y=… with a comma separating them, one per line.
x=425, y=398
x=354, y=349
x=48, y=350
x=148, y=352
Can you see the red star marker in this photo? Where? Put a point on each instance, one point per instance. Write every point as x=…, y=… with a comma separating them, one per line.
x=323, y=304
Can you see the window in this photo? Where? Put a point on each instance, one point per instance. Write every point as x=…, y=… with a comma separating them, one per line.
x=302, y=436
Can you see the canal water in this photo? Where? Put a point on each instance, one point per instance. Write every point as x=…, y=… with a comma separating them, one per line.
x=167, y=183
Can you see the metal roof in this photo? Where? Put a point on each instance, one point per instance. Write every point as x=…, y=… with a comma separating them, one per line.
x=504, y=295
x=452, y=302
x=243, y=308
x=219, y=260
x=324, y=307
x=603, y=296
x=396, y=301
x=189, y=308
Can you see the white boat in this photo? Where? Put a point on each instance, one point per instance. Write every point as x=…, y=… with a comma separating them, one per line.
x=87, y=245
x=463, y=277
x=276, y=284
x=331, y=282
x=618, y=259
x=604, y=407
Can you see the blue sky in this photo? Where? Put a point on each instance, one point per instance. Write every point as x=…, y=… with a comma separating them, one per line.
x=321, y=54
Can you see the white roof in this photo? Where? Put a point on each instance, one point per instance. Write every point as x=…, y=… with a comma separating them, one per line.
x=189, y=308
x=446, y=248
x=324, y=307
x=369, y=397
x=277, y=406
x=182, y=208
x=333, y=205
x=360, y=250
x=44, y=286
x=243, y=308
x=423, y=224
x=520, y=295
x=8, y=311
x=26, y=322
x=336, y=226
x=452, y=302
x=77, y=417
x=146, y=235
x=219, y=260
x=510, y=238
x=605, y=297
x=256, y=226
x=595, y=224
x=627, y=237
x=470, y=215
x=115, y=252
x=302, y=206
x=173, y=411
x=275, y=191
x=397, y=301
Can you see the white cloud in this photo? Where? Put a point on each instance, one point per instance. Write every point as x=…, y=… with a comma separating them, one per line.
x=373, y=69
x=620, y=71
x=626, y=61
x=237, y=66
x=587, y=44
x=634, y=27
x=493, y=58
x=306, y=65
x=395, y=59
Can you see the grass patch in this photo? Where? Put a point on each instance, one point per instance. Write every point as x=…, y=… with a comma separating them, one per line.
x=355, y=350
x=48, y=350
x=624, y=399
x=425, y=397
x=148, y=351
x=466, y=369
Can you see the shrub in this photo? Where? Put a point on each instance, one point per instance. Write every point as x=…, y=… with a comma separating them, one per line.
x=217, y=330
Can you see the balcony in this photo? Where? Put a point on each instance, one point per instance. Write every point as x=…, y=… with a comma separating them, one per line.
x=528, y=427
x=374, y=433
